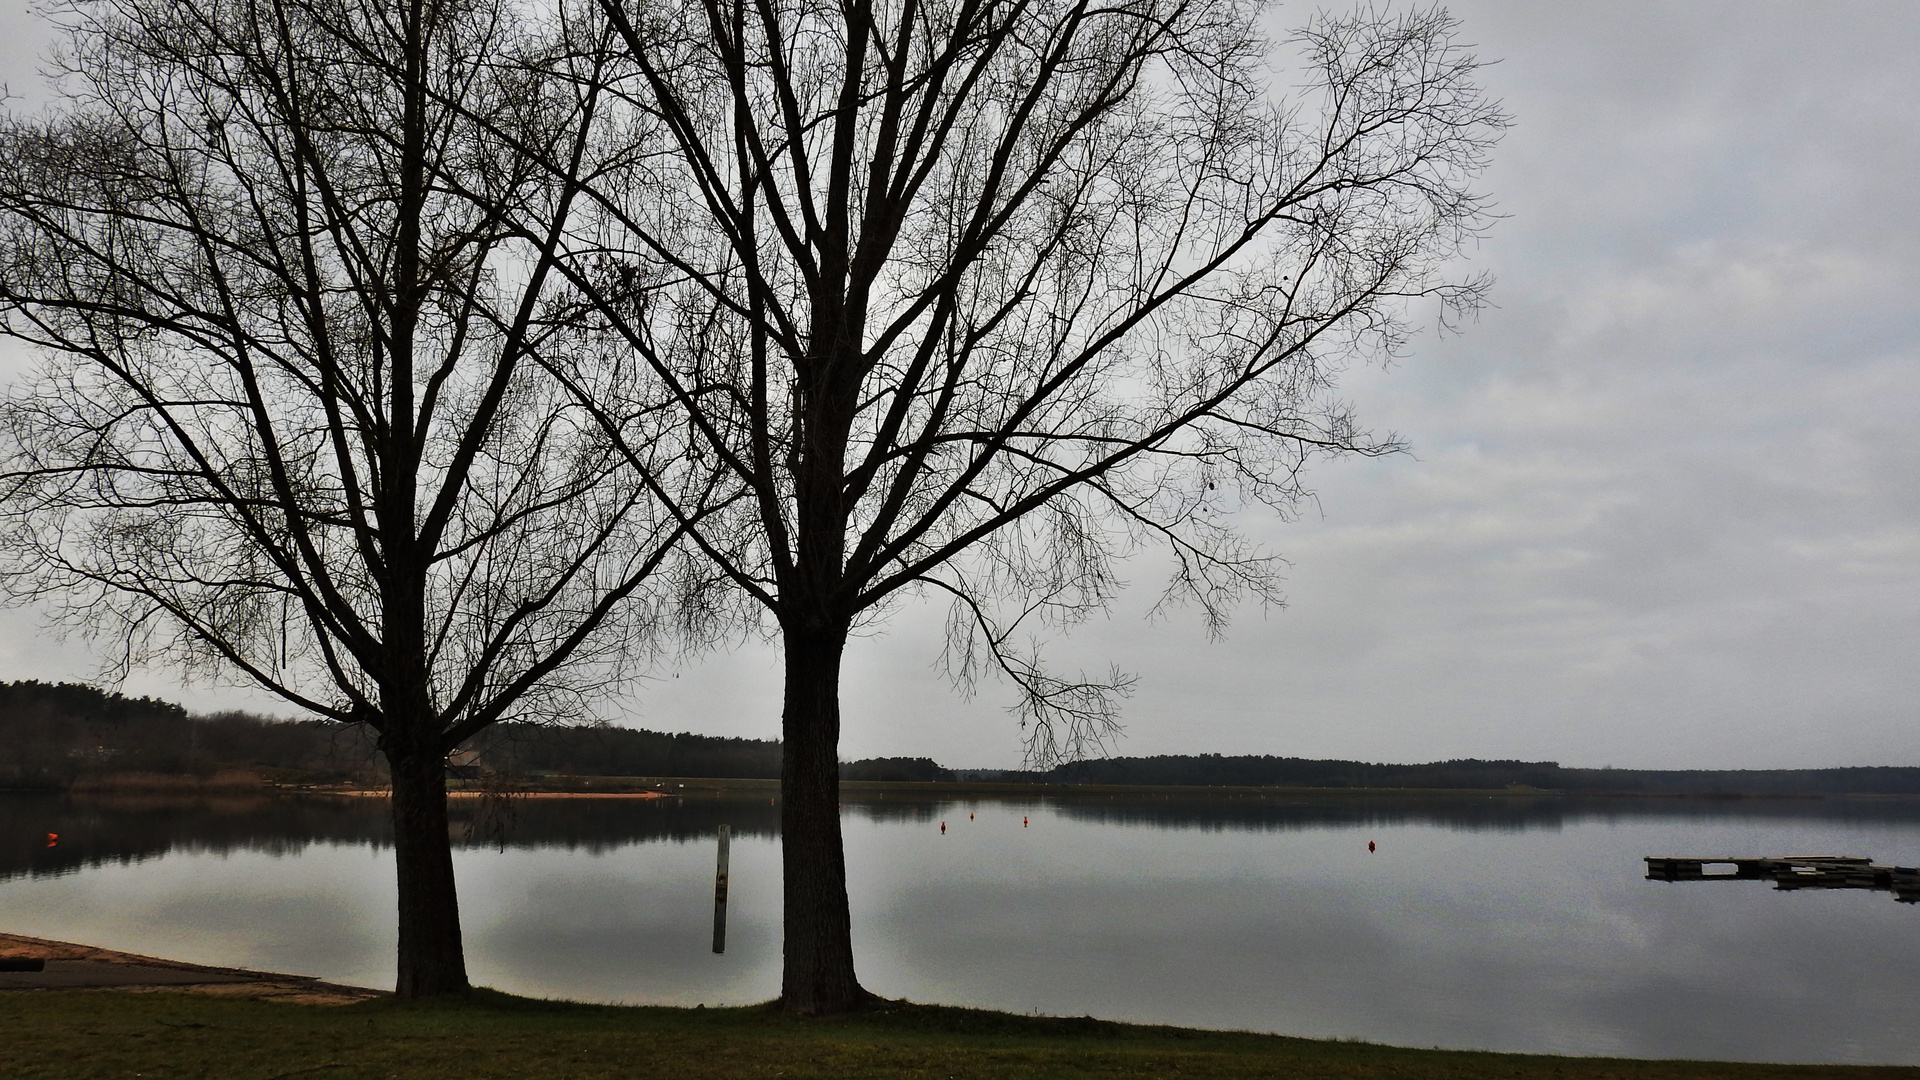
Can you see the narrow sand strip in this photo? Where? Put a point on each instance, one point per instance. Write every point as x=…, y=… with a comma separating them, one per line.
x=83, y=967
x=381, y=793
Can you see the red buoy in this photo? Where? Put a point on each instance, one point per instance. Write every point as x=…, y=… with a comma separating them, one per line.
x=1369, y=846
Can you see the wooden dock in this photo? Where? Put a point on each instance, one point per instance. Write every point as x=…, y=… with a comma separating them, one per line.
x=1792, y=872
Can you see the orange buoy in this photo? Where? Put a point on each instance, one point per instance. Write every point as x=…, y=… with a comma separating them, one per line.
x=53, y=838
x=1023, y=823
x=943, y=828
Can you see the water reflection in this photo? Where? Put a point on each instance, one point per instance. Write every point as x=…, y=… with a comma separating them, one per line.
x=1505, y=923
x=1470, y=813
x=96, y=830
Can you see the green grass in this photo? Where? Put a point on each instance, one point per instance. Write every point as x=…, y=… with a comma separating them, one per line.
x=56, y=1035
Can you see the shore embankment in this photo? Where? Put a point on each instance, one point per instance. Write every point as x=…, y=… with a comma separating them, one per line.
x=74, y=1034
x=30, y=963
x=218, y=1029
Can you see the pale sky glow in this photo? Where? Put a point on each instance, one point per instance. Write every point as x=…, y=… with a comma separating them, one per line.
x=1663, y=502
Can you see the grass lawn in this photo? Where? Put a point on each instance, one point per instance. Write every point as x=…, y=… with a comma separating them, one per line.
x=54, y=1035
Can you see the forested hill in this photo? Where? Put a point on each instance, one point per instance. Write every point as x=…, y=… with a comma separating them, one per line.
x=1217, y=769
x=1245, y=771
x=55, y=735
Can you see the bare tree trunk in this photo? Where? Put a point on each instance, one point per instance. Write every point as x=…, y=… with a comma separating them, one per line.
x=432, y=959
x=818, y=976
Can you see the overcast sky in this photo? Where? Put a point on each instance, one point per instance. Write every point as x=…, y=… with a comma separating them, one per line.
x=1661, y=508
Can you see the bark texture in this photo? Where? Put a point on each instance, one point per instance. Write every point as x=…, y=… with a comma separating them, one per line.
x=818, y=977
x=432, y=959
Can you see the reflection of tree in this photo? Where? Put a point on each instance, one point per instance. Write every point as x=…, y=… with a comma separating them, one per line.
x=97, y=830
x=94, y=831
x=1290, y=812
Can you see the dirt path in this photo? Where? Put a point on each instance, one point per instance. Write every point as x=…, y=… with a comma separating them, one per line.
x=66, y=966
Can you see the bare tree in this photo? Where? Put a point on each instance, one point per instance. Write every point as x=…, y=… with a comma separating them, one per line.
x=289, y=260
x=974, y=297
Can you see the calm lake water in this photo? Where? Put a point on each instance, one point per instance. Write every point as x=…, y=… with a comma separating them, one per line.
x=1505, y=924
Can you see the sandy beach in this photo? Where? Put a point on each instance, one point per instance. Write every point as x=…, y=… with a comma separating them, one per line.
x=68, y=966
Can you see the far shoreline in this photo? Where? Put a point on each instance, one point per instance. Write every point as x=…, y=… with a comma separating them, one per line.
x=236, y=783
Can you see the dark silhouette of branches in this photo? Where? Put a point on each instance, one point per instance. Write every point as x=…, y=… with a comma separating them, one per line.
x=974, y=298
x=289, y=261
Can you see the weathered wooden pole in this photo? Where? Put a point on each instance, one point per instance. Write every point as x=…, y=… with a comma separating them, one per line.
x=720, y=896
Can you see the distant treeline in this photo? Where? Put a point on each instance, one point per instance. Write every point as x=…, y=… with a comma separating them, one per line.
x=1249, y=771
x=532, y=749
x=56, y=736
x=598, y=750
x=1245, y=771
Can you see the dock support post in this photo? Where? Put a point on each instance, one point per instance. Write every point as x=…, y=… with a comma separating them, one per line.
x=720, y=895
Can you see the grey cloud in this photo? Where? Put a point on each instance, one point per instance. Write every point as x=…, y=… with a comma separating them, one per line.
x=1661, y=508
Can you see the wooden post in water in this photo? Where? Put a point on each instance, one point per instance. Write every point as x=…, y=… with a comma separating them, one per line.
x=720, y=896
